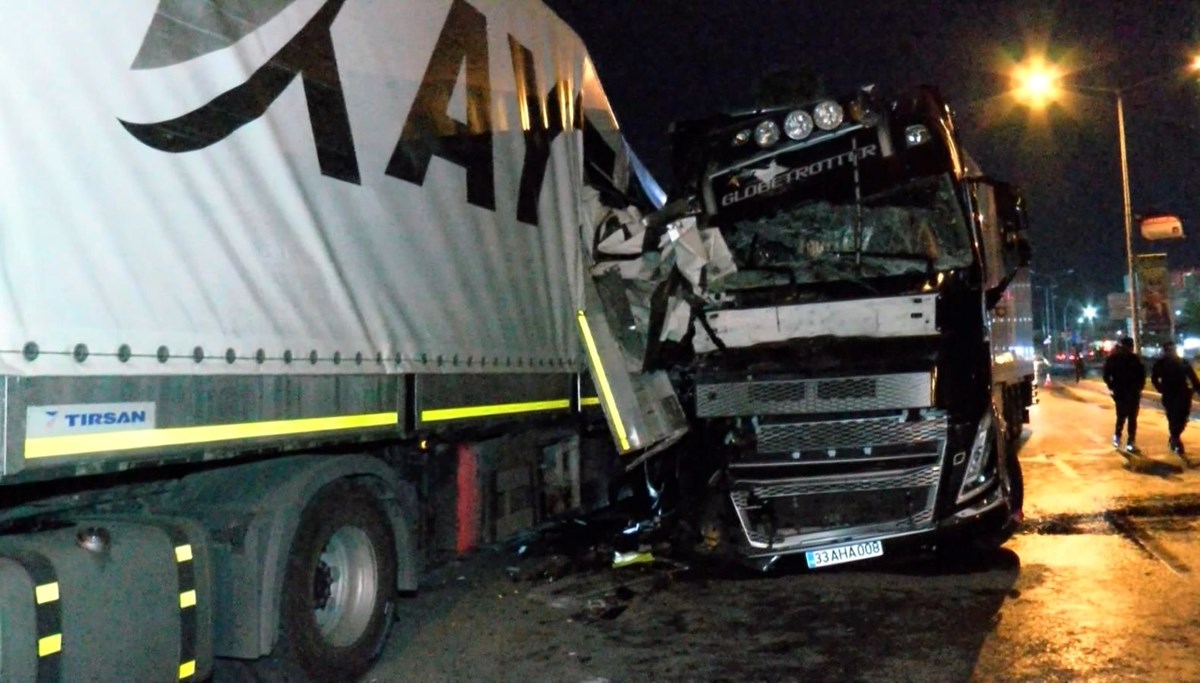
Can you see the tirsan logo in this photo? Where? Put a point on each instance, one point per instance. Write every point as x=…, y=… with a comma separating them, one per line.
x=80, y=418
x=753, y=182
x=183, y=30
x=109, y=418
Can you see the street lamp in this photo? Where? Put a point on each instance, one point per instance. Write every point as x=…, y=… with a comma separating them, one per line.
x=1089, y=316
x=1037, y=84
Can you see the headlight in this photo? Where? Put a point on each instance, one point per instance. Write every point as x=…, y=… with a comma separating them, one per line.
x=916, y=135
x=798, y=125
x=828, y=115
x=741, y=138
x=766, y=133
x=975, y=478
x=861, y=112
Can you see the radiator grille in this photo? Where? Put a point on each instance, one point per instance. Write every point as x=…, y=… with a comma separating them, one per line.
x=829, y=395
x=799, y=436
x=842, y=389
x=776, y=392
x=830, y=511
x=919, y=476
x=791, y=514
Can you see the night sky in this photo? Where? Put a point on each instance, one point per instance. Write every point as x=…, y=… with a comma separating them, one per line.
x=664, y=60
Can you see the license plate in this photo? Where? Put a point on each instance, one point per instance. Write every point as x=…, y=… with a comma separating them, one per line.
x=843, y=553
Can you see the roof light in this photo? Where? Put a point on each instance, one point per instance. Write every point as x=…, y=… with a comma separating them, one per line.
x=828, y=115
x=861, y=112
x=766, y=133
x=798, y=124
x=916, y=135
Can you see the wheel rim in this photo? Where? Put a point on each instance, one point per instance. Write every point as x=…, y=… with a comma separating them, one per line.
x=345, y=586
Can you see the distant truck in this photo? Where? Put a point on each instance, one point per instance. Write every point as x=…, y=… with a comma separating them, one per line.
x=292, y=292
x=856, y=347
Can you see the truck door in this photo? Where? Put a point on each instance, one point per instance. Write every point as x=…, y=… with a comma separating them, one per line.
x=641, y=408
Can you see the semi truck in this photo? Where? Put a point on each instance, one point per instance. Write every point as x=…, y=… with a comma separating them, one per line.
x=293, y=290
x=854, y=348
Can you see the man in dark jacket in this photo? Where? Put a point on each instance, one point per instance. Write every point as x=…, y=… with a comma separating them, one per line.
x=1175, y=379
x=1125, y=376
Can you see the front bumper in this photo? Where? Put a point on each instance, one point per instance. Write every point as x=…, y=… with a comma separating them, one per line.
x=990, y=515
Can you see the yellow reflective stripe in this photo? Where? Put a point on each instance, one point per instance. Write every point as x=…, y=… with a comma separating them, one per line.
x=183, y=553
x=79, y=444
x=50, y=645
x=47, y=592
x=187, y=599
x=602, y=380
x=187, y=669
x=589, y=401
x=438, y=414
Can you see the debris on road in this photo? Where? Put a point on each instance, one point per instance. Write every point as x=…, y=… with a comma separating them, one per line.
x=595, y=566
x=625, y=559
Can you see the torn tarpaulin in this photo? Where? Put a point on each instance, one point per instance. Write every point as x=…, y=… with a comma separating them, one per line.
x=618, y=241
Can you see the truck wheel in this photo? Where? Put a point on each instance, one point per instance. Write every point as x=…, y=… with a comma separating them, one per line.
x=339, y=589
x=1015, y=481
x=1012, y=481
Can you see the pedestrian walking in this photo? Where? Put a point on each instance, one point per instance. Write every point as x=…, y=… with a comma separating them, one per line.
x=1125, y=376
x=1175, y=381
x=1080, y=368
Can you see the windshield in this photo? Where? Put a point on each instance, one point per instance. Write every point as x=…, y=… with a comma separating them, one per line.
x=917, y=227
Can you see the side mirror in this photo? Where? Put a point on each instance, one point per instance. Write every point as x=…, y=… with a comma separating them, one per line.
x=1014, y=224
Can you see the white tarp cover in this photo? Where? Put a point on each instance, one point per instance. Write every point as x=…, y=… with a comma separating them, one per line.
x=245, y=243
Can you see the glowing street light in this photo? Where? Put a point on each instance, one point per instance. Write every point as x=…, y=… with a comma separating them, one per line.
x=1037, y=84
x=1089, y=313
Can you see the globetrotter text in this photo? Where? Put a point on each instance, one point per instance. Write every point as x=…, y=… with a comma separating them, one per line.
x=786, y=177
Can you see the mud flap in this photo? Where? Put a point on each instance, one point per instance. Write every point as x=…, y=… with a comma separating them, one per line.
x=643, y=413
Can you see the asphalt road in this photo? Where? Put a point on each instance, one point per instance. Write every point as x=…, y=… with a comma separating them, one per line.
x=1100, y=585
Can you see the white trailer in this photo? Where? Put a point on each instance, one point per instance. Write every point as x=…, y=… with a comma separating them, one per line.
x=254, y=258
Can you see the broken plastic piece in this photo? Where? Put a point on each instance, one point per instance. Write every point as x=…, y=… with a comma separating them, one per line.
x=626, y=559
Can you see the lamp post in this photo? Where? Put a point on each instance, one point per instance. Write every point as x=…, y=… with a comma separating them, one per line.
x=1050, y=282
x=1086, y=314
x=1089, y=316
x=1134, y=318
x=1038, y=84
x=1048, y=291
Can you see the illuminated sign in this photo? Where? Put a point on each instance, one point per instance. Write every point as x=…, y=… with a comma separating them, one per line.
x=1161, y=228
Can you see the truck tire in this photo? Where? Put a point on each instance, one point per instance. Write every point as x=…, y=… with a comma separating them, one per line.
x=339, y=588
x=1015, y=481
x=1012, y=480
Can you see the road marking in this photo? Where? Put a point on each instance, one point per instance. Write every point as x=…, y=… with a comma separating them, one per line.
x=1098, y=448
x=1086, y=454
x=1066, y=469
x=1142, y=539
x=1107, y=451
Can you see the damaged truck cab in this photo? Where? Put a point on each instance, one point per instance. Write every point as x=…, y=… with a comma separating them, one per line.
x=857, y=345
